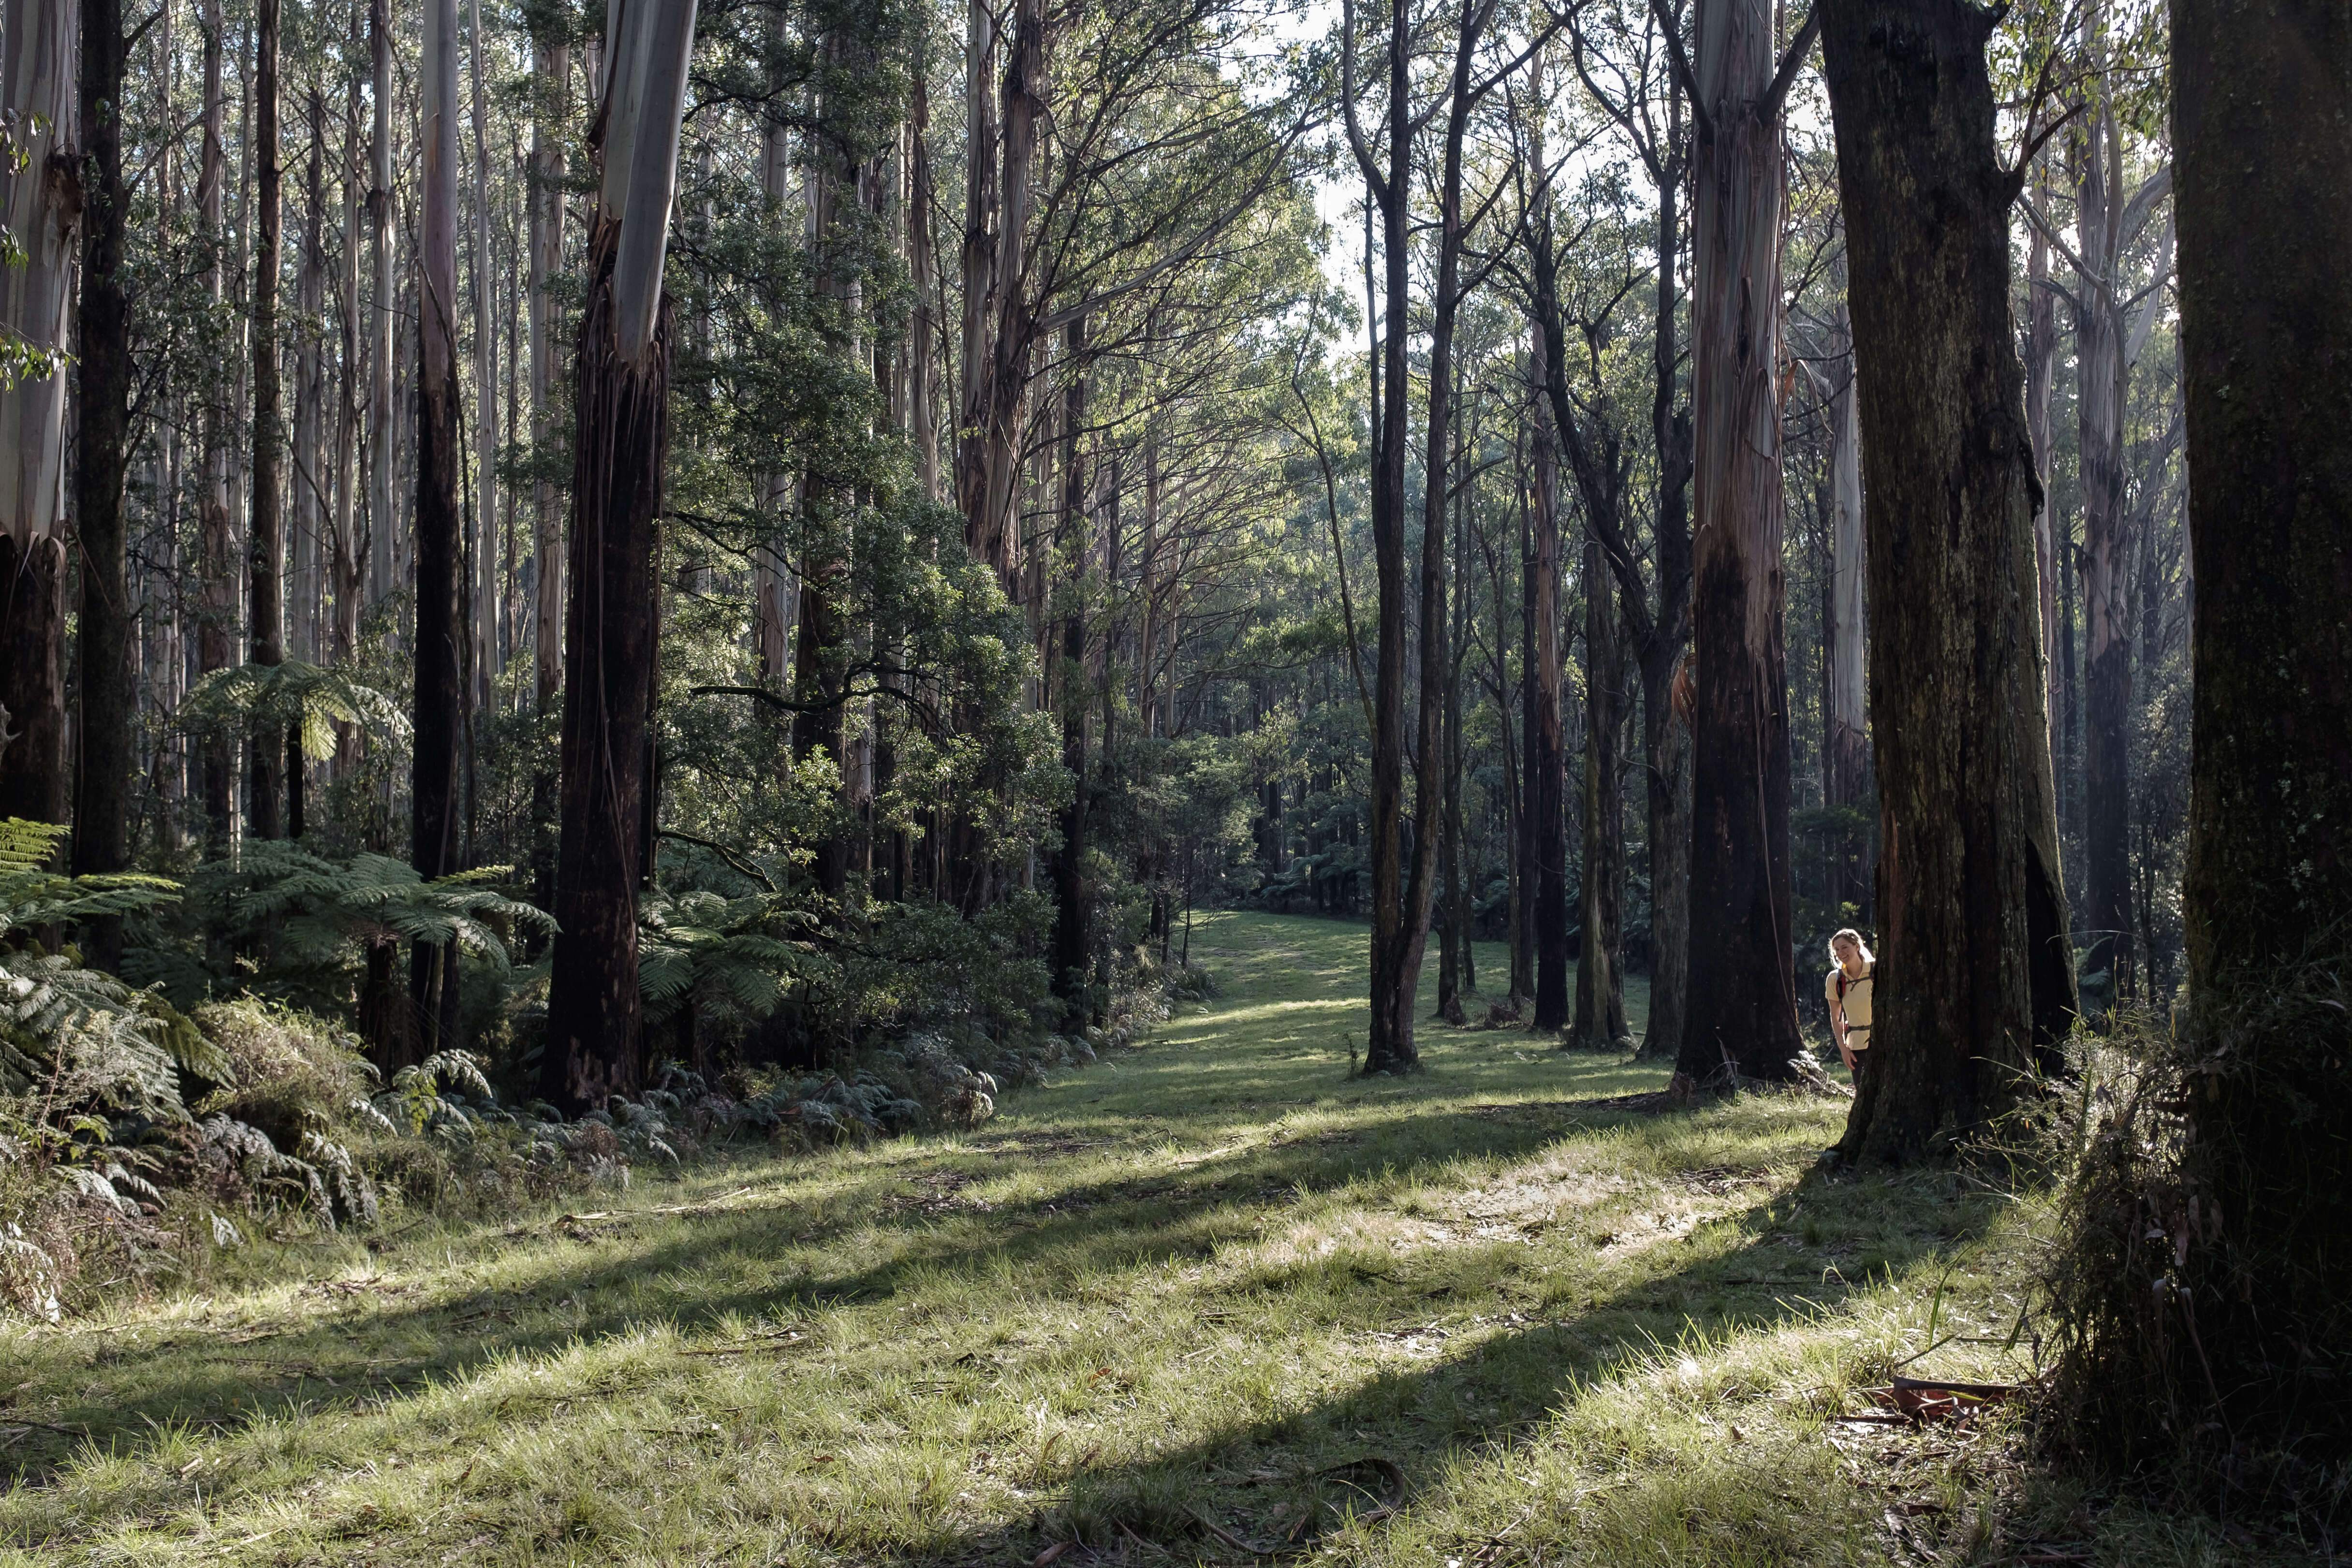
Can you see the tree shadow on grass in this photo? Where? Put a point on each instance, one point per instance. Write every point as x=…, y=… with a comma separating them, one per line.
x=129, y=1391
x=1254, y=1478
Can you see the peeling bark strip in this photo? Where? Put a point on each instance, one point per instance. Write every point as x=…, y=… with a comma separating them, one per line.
x=1743, y=999
x=611, y=637
x=1974, y=971
x=41, y=204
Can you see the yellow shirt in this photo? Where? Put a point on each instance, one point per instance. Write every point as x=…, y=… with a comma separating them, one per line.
x=1857, y=1002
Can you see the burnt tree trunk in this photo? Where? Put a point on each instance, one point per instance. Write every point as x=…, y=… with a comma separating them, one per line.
x=32, y=680
x=1547, y=739
x=266, y=543
x=433, y=774
x=1743, y=999
x=1073, y=941
x=1600, y=972
x=610, y=652
x=1974, y=969
x=102, y=779
x=2265, y=221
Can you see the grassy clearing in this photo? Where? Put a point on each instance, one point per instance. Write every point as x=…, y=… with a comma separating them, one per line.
x=1208, y=1279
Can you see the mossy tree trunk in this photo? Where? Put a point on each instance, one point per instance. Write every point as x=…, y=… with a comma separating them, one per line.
x=1974, y=972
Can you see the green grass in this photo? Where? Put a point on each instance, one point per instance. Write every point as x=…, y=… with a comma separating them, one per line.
x=1201, y=1279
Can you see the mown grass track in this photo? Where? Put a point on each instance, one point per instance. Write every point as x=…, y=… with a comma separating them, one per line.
x=1207, y=1295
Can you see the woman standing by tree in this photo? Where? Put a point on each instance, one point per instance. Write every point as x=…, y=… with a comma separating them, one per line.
x=1848, y=990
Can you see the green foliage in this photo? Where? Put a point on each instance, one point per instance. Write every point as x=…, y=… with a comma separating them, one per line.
x=293, y=695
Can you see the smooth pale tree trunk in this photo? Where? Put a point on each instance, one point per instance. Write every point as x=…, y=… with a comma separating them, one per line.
x=1849, y=758
x=42, y=202
x=776, y=587
x=1600, y=1020
x=611, y=634
x=545, y=196
x=217, y=544
x=547, y=164
x=439, y=534
x=1974, y=972
x=1743, y=1002
x=2040, y=375
x=102, y=841
x=306, y=481
x=2108, y=221
x=266, y=546
x=2265, y=221
x=981, y=273
x=349, y=577
x=484, y=583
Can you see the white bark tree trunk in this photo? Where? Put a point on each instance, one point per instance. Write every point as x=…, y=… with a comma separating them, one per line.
x=42, y=202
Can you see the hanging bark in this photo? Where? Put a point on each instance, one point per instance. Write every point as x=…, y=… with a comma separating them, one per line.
x=1743, y=1002
x=42, y=202
x=1974, y=977
x=2265, y=221
x=266, y=544
x=101, y=453
x=433, y=786
x=611, y=634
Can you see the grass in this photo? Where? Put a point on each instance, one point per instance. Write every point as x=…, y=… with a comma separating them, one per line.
x=1210, y=1278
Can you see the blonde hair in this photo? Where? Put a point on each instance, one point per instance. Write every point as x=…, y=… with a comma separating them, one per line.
x=1851, y=934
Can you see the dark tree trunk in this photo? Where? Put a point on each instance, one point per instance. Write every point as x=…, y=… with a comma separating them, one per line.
x=101, y=805
x=1600, y=972
x=1073, y=946
x=610, y=653
x=1974, y=971
x=266, y=545
x=1397, y=935
x=1665, y=730
x=1543, y=480
x=32, y=680
x=1548, y=744
x=433, y=777
x=2261, y=144
x=1743, y=1000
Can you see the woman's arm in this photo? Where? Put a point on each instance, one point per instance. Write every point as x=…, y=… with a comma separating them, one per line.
x=1837, y=1031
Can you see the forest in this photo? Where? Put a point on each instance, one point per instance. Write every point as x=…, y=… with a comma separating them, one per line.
x=839, y=781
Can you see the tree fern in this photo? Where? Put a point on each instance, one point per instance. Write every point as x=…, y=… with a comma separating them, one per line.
x=319, y=905
x=719, y=954
x=315, y=697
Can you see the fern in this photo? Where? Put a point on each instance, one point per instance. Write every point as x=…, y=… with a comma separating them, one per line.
x=314, y=697
x=33, y=895
x=719, y=954
x=321, y=905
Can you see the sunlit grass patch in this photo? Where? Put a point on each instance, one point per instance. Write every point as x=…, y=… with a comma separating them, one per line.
x=1211, y=1279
